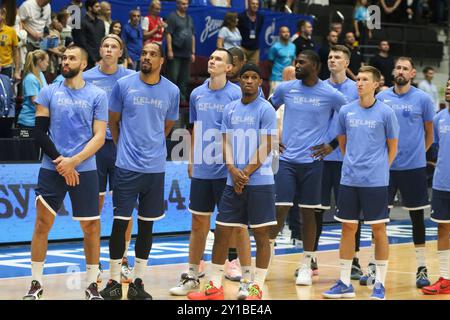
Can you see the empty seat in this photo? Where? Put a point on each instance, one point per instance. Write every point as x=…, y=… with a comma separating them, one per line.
x=395, y=34
x=413, y=35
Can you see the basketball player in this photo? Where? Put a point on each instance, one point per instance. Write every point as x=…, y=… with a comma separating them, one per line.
x=309, y=105
x=105, y=75
x=143, y=109
x=207, y=170
x=249, y=198
x=74, y=112
x=441, y=199
x=365, y=178
x=415, y=111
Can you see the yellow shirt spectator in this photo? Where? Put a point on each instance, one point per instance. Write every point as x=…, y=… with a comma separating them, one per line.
x=8, y=40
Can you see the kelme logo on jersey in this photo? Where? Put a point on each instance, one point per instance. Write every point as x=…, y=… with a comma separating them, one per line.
x=145, y=101
x=210, y=106
x=70, y=102
x=443, y=128
x=372, y=124
x=212, y=27
x=304, y=100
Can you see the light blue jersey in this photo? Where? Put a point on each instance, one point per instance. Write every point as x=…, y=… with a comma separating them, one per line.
x=247, y=123
x=282, y=55
x=307, y=115
x=441, y=178
x=144, y=109
x=206, y=110
x=72, y=115
x=350, y=91
x=412, y=109
x=31, y=88
x=106, y=82
x=366, y=162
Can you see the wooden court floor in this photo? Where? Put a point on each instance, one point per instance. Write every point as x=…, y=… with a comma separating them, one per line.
x=280, y=284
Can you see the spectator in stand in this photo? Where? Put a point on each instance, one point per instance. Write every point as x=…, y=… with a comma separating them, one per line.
x=382, y=85
x=35, y=16
x=116, y=28
x=9, y=52
x=384, y=62
x=133, y=37
x=394, y=11
x=332, y=40
x=91, y=33
x=337, y=27
x=153, y=25
x=180, y=47
x=105, y=15
x=360, y=18
x=356, y=58
x=221, y=3
x=36, y=63
x=304, y=41
x=7, y=106
x=22, y=37
x=429, y=87
x=281, y=55
x=55, y=53
x=229, y=35
x=250, y=25
x=66, y=33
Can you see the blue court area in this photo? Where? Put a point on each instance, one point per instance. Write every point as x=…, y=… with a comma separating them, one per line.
x=69, y=257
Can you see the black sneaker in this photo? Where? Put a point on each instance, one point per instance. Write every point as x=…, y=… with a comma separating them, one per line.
x=314, y=267
x=356, y=270
x=112, y=291
x=92, y=292
x=422, y=277
x=35, y=291
x=136, y=291
x=369, y=278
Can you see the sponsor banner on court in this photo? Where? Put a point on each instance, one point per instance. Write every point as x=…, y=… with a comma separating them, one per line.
x=18, y=210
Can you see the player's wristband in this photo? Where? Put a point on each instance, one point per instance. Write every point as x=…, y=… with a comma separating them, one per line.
x=43, y=140
x=334, y=143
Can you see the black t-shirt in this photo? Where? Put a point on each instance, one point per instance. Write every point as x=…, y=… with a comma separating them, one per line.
x=250, y=30
x=302, y=44
x=385, y=65
x=356, y=59
x=181, y=29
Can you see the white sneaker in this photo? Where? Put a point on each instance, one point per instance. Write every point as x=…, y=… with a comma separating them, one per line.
x=243, y=289
x=185, y=285
x=304, y=277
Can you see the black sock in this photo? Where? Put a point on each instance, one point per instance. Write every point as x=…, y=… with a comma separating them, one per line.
x=232, y=254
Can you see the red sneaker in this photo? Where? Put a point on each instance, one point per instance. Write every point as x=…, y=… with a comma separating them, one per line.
x=254, y=293
x=442, y=286
x=210, y=293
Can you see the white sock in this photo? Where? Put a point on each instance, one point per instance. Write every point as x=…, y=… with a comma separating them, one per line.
x=246, y=272
x=420, y=256
x=307, y=255
x=127, y=245
x=381, y=270
x=217, y=274
x=272, y=250
x=115, y=266
x=346, y=270
x=260, y=277
x=37, y=271
x=140, y=266
x=372, y=253
x=314, y=255
x=91, y=274
x=356, y=255
x=443, y=256
x=193, y=270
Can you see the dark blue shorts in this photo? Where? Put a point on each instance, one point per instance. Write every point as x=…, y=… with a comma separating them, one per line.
x=305, y=179
x=254, y=207
x=372, y=202
x=205, y=195
x=413, y=188
x=331, y=180
x=52, y=188
x=440, y=206
x=146, y=188
x=106, y=163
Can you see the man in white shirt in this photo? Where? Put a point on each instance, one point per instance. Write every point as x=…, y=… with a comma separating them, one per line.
x=430, y=88
x=35, y=16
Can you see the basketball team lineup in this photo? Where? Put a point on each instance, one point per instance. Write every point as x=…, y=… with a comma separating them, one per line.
x=254, y=161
